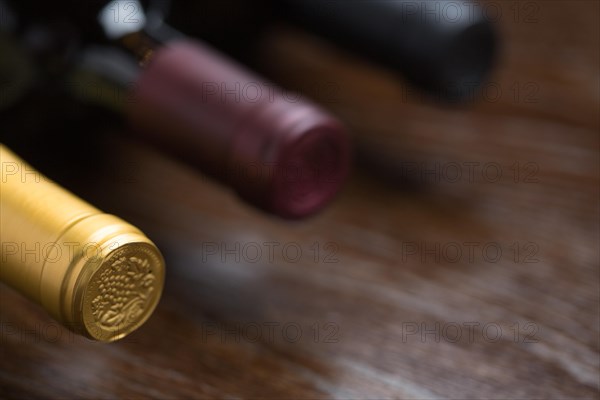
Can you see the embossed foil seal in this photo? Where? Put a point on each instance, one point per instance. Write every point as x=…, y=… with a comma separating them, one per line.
x=123, y=292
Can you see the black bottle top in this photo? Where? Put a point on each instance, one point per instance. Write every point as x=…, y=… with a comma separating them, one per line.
x=442, y=46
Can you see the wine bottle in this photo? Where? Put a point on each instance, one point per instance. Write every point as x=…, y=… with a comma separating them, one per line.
x=279, y=151
x=95, y=273
x=444, y=47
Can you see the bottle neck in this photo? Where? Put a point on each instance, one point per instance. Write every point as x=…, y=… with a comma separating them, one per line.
x=140, y=45
x=104, y=75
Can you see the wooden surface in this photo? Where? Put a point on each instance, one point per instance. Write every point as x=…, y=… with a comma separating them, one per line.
x=377, y=310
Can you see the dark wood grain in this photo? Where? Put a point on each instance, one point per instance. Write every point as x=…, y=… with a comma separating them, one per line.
x=381, y=305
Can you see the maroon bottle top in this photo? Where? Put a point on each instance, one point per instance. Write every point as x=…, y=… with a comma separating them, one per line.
x=279, y=151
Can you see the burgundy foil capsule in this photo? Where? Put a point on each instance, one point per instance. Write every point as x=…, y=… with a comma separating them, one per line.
x=281, y=153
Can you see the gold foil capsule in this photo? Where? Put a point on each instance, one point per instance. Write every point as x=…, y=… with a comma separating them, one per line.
x=95, y=273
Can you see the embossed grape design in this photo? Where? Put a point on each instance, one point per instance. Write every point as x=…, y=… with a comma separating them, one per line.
x=124, y=291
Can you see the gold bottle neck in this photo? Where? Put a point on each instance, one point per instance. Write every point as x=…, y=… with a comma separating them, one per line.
x=94, y=272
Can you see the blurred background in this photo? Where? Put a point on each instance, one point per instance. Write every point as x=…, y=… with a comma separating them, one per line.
x=460, y=259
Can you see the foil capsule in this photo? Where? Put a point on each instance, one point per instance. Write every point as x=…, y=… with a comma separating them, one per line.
x=279, y=151
x=95, y=273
